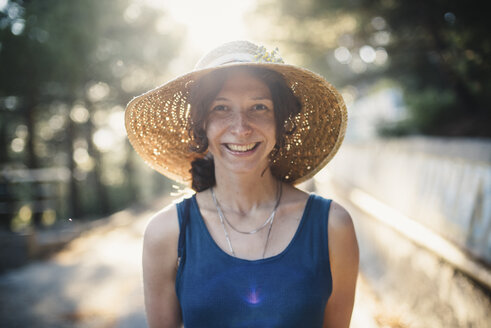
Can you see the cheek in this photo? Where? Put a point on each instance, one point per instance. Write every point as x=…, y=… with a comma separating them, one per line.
x=213, y=131
x=216, y=125
x=268, y=125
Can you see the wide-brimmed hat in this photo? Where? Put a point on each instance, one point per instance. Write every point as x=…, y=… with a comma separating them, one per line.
x=157, y=122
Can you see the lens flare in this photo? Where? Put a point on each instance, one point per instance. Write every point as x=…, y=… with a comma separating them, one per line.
x=253, y=296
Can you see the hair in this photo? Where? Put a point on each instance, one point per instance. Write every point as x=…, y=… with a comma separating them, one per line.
x=203, y=93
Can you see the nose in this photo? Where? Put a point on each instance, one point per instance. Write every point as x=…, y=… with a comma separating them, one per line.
x=241, y=124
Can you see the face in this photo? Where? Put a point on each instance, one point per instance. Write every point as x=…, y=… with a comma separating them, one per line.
x=240, y=127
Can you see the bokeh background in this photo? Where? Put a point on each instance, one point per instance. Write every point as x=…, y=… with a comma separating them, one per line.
x=415, y=169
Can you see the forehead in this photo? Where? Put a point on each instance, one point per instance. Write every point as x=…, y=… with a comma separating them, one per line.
x=244, y=82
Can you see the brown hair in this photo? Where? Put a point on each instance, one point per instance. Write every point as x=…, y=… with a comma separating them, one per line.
x=204, y=92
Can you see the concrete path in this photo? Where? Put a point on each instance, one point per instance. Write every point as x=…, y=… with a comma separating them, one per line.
x=96, y=282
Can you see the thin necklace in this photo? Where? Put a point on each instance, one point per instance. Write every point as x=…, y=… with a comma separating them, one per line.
x=270, y=220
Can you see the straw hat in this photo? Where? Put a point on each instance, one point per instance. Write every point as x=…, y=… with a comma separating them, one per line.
x=157, y=121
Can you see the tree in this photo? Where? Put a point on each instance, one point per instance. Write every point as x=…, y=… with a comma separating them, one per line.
x=435, y=50
x=55, y=58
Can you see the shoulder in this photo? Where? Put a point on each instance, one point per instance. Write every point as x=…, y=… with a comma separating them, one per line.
x=344, y=261
x=162, y=231
x=159, y=267
x=342, y=237
x=340, y=223
x=339, y=218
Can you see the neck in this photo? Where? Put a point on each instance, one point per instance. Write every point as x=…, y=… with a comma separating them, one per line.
x=243, y=193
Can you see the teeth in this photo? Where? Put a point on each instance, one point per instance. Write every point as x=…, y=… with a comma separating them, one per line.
x=241, y=147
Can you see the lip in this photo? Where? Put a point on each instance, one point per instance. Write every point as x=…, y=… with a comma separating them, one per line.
x=238, y=152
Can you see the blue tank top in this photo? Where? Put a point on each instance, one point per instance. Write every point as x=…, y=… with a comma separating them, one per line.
x=289, y=289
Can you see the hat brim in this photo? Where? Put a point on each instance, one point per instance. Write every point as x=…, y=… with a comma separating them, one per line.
x=157, y=124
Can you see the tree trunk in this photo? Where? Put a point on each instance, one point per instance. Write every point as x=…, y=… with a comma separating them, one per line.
x=32, y=161
x=74, y=209
x=104, y=206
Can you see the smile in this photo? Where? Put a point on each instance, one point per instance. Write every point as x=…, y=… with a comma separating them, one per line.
x=242, y=148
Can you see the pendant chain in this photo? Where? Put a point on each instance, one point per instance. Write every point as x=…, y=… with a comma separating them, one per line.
x=224, y=219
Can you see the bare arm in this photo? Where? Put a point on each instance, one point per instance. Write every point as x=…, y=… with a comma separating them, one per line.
x=344, y=258
x=159, y=269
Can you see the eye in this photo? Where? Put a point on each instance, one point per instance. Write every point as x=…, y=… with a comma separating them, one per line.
x=219, y=108
x=260, y=107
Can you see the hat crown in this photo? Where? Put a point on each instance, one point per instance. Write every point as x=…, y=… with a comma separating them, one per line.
x=238, y=52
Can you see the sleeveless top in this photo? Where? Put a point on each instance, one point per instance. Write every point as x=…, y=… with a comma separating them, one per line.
x=289, y=289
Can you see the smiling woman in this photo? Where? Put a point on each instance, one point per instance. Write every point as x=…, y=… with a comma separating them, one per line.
x=215, y=101
x=241, y=119
x=248, y=249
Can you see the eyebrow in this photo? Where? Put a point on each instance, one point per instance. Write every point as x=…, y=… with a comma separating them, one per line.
x=255, y=98
x=262, y=98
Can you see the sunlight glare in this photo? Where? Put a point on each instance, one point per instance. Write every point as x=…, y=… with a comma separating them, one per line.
x=103, y=139
x=3, y=5
x=209, y=23
x=116, y=122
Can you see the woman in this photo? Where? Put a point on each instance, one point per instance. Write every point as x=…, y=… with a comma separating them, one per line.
x=248, y=249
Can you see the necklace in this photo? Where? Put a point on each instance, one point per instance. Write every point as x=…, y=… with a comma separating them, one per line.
x=270, y=220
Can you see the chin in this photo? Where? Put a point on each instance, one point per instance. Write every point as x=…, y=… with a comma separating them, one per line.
x=245, y=168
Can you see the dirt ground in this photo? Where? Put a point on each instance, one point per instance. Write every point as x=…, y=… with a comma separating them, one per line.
x=96, y=281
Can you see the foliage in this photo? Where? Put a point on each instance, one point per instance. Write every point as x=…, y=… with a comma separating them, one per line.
x=67, y=69
x=436, y=50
